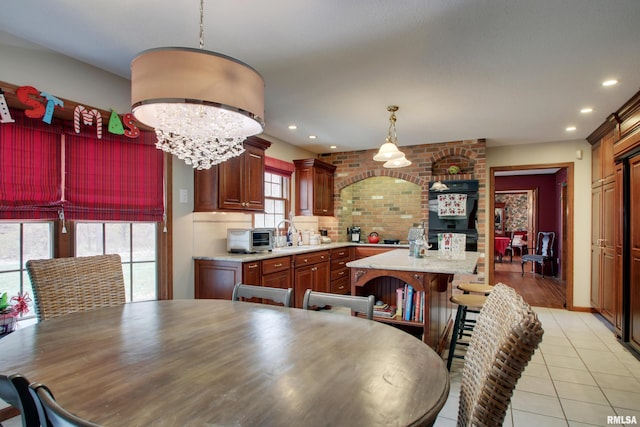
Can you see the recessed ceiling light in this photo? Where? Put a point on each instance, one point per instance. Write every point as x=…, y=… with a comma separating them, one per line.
x=312, y=137
x=570, y=128
x=609, y=82
x=293, y=127
x=586, y=110
x=333, y=147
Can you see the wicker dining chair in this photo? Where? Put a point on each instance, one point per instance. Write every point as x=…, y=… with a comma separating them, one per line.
x=357, y=304
x=277, y=295
x=68, y=285
x=505, y=336
x=14, y=389
x=51, y=413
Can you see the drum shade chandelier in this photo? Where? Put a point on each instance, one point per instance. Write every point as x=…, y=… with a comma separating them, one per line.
x=202, y=104
x=389, y=152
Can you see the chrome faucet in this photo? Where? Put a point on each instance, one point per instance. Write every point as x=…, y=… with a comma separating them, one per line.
x=291, y=225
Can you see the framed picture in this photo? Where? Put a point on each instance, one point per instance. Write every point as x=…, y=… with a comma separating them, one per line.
x=499, y=219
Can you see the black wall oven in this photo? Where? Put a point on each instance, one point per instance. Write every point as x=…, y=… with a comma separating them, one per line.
x=454, y=210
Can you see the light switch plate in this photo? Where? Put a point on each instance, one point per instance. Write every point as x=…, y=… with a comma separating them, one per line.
x=184, y=195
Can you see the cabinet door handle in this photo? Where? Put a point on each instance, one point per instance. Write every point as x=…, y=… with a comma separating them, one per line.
x=306, y=260
x=278, y=265
x=324, y=210
x=340, y=253
x=314, y=269
x=253, y=266
x=341, y=263
x=341, y=273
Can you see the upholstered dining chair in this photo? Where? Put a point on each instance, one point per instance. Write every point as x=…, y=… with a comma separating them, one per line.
x=506, y=334
x=543, y=253
x=14, y=389
x=277, y=295
x=67, y=285
x=357, y=304
x=51, y=413
x=519, y=242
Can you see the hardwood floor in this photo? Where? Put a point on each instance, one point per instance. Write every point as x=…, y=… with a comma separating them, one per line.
x=547, y=292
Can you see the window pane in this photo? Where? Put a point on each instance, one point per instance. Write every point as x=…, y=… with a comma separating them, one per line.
x=89, y=239
x=126, y=272
x=279, y=206
x=268, y=205
x=36, y=241
x=267, y=189
x=144, y=241
x=9, y=246
x=117, y=239
x=10, y=283
x=144, y=276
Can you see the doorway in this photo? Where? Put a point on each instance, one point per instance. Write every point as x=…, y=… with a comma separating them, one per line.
x=556, y=292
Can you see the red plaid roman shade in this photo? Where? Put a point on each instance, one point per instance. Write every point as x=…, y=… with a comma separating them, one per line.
x=114, y=178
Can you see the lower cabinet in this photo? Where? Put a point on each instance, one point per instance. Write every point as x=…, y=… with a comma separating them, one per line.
x=216, y=279
x=339, y=270
x=312, y=271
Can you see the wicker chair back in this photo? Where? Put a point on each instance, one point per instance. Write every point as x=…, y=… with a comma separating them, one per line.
x=504, y=339
x=68, y=285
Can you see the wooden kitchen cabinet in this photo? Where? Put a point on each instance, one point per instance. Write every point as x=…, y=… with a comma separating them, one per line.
x=339, y=270
x=314, y=187
x=216, y=279
x=604, y=286
x=312, y=271
x=365, y=251
x=234, y=185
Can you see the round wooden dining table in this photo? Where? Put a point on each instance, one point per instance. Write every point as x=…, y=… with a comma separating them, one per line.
x=226, y=363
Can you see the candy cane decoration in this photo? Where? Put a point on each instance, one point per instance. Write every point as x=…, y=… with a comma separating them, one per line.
x=87, y=119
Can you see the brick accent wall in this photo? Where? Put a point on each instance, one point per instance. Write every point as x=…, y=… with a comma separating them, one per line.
x=429, y=163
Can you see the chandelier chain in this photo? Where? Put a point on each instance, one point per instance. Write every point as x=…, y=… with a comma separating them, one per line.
x=201, y=24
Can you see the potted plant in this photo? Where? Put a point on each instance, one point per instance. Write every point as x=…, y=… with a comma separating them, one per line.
x=10, y=309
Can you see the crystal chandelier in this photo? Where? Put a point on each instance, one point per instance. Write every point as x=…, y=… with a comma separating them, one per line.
x=202, y=104
x=389, y=152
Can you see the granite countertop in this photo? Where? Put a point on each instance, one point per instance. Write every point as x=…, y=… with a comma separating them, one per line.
x=434, y=262
x=290, y=250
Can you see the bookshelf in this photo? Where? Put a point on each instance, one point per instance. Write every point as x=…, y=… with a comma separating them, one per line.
x=436, y=310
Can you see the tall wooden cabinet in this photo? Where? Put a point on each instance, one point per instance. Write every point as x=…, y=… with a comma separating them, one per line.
x=314, y=187
x=615, y=290
x=234, y=185
x=604, y=287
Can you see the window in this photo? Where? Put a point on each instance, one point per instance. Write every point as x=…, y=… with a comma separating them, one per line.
x=136, y=244
x=277, y=189
x=20, y=242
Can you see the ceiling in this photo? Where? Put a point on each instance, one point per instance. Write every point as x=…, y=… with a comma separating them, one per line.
x=509, y=71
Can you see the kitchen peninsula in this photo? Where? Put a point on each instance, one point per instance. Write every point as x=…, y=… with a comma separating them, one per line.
x=383, y=274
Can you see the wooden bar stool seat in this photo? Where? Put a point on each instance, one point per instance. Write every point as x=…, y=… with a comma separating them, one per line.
x=475, y=288
x=463, y=326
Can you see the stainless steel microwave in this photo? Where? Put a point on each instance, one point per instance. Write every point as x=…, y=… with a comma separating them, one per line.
x=250, y=240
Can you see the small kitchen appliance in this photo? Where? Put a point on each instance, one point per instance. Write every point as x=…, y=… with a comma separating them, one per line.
x=353, y=233
x=250, y=240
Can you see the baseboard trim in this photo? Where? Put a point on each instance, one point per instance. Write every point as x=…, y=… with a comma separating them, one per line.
x=583, y=309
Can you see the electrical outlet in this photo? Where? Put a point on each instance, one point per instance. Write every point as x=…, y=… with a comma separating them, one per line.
x=184, y=195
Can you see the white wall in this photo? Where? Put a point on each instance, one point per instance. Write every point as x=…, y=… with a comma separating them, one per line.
x=559, y=152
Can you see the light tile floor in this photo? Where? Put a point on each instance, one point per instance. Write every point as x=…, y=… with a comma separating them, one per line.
x=579, y=376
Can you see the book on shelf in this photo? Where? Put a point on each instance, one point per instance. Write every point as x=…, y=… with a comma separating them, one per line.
x=385, y=310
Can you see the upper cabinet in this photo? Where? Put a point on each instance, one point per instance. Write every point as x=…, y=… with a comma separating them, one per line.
x=314, y=187
x=602, y=164
x=234, y=185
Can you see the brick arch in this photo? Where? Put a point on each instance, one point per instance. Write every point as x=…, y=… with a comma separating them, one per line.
x=455, y=151
x=392, y=173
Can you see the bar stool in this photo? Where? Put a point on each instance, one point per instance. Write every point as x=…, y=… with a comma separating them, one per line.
x=463, y=326
x=475, y=288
